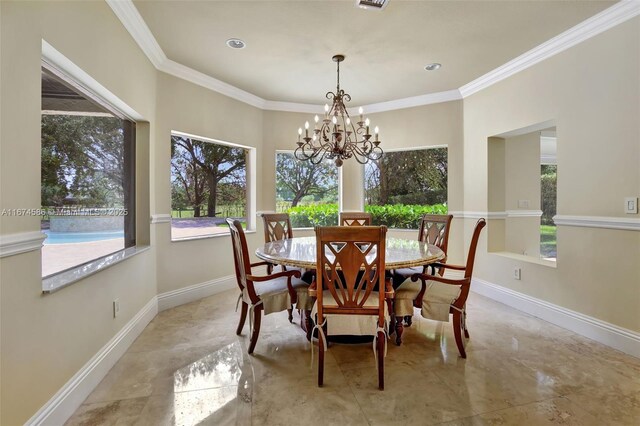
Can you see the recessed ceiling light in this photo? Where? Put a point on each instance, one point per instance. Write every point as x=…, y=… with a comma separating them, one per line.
x=236, y=43
x=433, y=67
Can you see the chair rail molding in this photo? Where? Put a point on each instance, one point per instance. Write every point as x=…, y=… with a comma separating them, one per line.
x=131, y=19
x=622, y=339
x=607, y=222
x=23, y=242
x=523, y=213
x=160, y=218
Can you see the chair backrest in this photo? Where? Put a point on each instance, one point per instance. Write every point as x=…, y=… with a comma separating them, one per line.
x=350, y=263
x=277, y=226
x=434, y=229
x=241, y=258
x=355, y=219
x=468, y=271
x=473, y=245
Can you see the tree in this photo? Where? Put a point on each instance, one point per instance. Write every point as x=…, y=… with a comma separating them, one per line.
x=218, y=162
x=296, y=179
x=82, y=160
x=188, y=179
x=408, y=177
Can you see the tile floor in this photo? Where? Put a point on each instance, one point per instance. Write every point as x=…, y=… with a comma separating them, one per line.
x=189, y=368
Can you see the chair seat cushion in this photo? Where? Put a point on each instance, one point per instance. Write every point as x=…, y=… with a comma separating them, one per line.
x=436, y=302
x=348, y=324
x=275, y=296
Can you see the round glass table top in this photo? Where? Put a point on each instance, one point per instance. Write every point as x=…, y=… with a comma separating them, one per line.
x=301, y=252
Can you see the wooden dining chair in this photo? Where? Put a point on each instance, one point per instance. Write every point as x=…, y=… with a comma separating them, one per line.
x=355, y=219
x=437, y=297
x=270, y=293
x=434, y=229
x=350, y=265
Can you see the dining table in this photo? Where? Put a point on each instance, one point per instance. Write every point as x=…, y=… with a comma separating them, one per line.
x=300, y=252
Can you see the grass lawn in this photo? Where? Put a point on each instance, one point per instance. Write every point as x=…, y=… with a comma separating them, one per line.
x=548, y=246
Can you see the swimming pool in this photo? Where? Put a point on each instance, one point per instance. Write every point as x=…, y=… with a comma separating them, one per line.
x=80, y=237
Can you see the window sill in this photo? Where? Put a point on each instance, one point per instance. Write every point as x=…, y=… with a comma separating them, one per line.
x=529, y=259
x=62, y=279
x=205, y=237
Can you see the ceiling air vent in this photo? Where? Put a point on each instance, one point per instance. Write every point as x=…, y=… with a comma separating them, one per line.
x=372, y=4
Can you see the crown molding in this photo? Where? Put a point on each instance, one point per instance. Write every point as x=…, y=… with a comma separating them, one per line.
x=23, y=242
x=133, y=22
x=196, y=77
x=608, y=18
x=131, y=19
x=414, y=101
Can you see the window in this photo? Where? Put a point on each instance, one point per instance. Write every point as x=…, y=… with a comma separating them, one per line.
x=404, y=185
x=208, y=184
x=522, y=193
x=308, y=192
x=548, y=194
x=87, y=177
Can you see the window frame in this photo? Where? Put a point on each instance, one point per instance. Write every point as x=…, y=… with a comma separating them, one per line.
x=62, y=68
x=251, y=190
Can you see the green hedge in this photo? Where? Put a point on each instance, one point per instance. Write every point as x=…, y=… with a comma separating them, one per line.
x=399, y=216
x=313, y=215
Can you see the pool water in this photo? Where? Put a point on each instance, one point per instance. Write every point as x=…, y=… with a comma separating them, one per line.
x=80, y=237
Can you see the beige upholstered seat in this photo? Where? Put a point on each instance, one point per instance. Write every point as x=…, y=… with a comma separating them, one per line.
x=437, y=297
x=436, y=301
x=275, y=295
x=352, y=325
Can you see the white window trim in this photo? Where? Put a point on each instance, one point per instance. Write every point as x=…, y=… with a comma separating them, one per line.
x=64, y=68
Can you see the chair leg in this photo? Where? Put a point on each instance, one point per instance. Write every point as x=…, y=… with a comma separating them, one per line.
x=399, y=331
x=257, y=314
x=243, y=317
x=381, y=343
x=290, y=312
x=320, y=360
x=464, y=324
x=457, y=331
x=308, y=324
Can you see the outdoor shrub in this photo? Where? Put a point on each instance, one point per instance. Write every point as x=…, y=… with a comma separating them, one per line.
x=313, y=215
x=398, y=216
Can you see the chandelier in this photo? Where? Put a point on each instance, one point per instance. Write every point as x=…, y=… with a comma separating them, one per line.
x=336, y=137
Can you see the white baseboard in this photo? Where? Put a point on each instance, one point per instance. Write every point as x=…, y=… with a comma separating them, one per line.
x=619, y=338
x=67, y=400
x=195, y=292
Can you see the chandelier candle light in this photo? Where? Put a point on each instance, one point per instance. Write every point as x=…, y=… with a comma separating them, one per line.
x=336, y=137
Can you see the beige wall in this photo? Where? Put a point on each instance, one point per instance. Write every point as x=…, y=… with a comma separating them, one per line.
x=71, y=325
x=596, y=110
x=188, y=108
x=45, y=339
x=521, y=182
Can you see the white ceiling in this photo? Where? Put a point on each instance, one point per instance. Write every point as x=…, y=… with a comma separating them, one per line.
x=290, y=43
